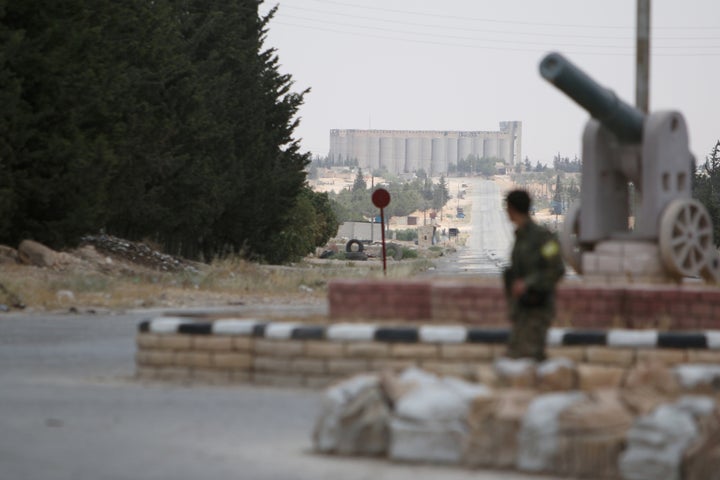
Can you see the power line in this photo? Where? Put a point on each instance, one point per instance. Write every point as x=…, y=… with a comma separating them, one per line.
x=508, y=22
x=454, y=37
x=502, y=41
x=483, y=30
x=467, y=29
x=486, y=47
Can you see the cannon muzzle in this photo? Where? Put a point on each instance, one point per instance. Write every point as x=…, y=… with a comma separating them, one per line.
x=624, y=120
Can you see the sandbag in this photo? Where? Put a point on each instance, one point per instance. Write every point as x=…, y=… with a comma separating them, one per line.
x=445, y=400
x=396, y=386
x=703, y=462
x=515, y=373
x=426, y=442
x=656, y=444
x=649, y=385
x=557, y=374
x=354, y=418
x=591, y=436
x=699, y=378
x=538, y=439
x=702, y=458
x=429, y=421
x=494, y=424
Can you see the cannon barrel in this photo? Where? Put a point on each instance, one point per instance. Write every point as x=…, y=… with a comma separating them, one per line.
x=624, y=120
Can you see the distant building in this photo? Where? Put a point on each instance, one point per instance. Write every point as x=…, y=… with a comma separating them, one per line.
x=406, y=151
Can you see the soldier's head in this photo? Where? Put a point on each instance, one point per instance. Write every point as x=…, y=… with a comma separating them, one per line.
x=518, y=206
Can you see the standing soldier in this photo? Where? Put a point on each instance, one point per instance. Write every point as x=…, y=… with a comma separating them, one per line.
x=530, y=280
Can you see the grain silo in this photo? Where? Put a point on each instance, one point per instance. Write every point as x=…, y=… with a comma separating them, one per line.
x=426, y=154
x=438, y=163
x=432, y=151
x=451, y=152
x=399, y=155
x=505, y=153
x=358, y=149
x=490, y=146
x=412, y=154
x=465, y=147
x=373, y=146
x=479, y=145
x=387, y=161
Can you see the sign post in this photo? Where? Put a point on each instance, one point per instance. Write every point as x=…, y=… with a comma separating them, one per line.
x=381, y=199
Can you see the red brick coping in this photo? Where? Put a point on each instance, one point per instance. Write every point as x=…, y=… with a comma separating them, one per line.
x=664, y=307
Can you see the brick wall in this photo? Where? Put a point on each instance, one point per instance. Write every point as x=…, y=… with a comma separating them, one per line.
x=665, y=307
x=351, y=299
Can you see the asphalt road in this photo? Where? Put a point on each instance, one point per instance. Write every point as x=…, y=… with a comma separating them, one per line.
x=488, y=246
x=69, y=409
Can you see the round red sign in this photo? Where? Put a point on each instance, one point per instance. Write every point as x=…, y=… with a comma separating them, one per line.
x=381, y=198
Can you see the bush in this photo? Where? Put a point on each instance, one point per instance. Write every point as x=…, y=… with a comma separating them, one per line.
x=407, y=235
x=409, y=253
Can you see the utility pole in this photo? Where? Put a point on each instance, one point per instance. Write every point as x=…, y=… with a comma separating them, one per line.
x=642, y=55
x=642, y=71
x=372, y=218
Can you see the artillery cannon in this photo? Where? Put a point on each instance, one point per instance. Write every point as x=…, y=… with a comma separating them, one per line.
x=672, y=234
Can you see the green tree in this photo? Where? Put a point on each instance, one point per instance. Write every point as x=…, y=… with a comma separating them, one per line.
x=253, y=163
x=156, y=128
x=57, y=122
x=440, y=194
x=405, y=199
x=359, y=185
x=325, y=219
x=486, y=166
x=706, y=187
x=164, y=120
x=311, y=223
x=557, y=204
x=352, y=205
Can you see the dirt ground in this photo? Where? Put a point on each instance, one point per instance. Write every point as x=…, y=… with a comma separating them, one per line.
x=108, y=273
x=115, y=275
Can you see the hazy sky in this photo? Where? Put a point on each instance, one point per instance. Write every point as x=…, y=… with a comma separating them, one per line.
x=469, y=64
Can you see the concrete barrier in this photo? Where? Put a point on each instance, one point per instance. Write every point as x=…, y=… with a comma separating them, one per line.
x=302, y=355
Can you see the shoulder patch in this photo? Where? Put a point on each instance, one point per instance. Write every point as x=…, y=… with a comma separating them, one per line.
x=550, y=249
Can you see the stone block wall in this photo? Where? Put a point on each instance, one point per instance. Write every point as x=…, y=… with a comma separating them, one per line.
x=664, y=307
x=292, y=354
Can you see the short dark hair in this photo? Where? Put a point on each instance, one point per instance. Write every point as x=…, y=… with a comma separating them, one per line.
x=519, y=200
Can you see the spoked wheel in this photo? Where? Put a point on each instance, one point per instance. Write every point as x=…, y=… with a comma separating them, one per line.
x=570, y=239
x=686, y=238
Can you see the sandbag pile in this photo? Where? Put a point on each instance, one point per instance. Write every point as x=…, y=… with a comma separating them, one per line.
x=429, y=419
x=648, y=429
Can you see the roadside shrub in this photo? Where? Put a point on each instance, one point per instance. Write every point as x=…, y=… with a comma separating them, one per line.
x=406, y=235
x=409, y=253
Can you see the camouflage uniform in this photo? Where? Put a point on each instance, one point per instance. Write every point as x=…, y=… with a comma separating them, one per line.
x=536, y=260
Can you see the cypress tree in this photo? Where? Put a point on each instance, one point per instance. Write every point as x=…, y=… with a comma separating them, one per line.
x=56, y=156
x=166, y=120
